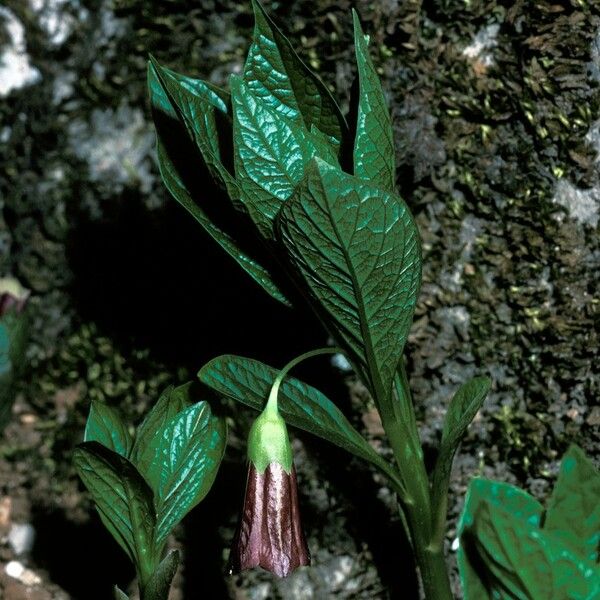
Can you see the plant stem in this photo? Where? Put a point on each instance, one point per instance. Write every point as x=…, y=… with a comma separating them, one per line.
x=434, y=573
x=402, y=433
x=272, y=400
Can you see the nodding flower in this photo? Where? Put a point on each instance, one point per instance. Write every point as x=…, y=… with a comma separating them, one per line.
x=270, y=533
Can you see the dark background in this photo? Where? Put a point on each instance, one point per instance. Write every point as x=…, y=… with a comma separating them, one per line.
x=495, y=108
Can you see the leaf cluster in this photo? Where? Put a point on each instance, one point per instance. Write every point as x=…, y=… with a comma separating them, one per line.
x=313, y=215
x=513, y=548
x=312, y=200
x=143, y=485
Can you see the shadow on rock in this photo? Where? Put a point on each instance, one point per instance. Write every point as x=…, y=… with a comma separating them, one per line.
x=82, y=558
x=155, y=279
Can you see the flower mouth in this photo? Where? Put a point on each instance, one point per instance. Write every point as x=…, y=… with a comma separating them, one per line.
x=270, y=533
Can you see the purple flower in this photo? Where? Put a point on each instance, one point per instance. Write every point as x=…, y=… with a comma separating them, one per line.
x=270, y=533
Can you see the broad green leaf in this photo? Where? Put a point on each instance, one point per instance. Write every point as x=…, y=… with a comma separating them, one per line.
x=105, y=426
x=160, y=583
x=270, y=154
x=573, y=513
x=504, y=497
x=123, y=500
x=323, y=147
x=357, y=249
x=177, y=179
x=525, y=563
x=187, y=452
x=374, y=152
x=276, y=75
x=501, y=496
x=172, y=401
x=249, y=381
x=473, y=582
x=119, y=594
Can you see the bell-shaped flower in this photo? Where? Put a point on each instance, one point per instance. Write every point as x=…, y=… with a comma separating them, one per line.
x=270, y=533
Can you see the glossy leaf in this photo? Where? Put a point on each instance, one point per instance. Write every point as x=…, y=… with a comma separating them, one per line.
x=573, y=513
x=505, y=554
x=524, y=563
x=188, y=451
x=249, y=381
x=175, y=178
x=276, y=75
x=357, y=249
x=374, y=152
x=501, y=496
x=159, y=585
x=105, y=426
x=504, y=497
x=171, y=402
x=270, y=155
x=198, y=104
x=123, y=500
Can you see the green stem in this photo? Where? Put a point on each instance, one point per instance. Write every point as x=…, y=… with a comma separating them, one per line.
x=400, y=426
x=434, y=572
x=272, y=401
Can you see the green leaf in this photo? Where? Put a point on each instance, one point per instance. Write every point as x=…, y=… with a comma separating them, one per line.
x=573, y=513
x=6, y=364
x=123, y=500
x=249, y=381
x=276, y=75
x=119, y=595
x=17, y=330
x=172, y=154
x=160, y=583
x=14, y=332
x=374, y=152
x=105, y=426
x=181, y=464
x=462, y=410
x=7, y=374
x=357, y=249
x=197, y=104
x=523, y=562
x=474, y=583
x=270, y=152
x=503, y=496
x=171, y=402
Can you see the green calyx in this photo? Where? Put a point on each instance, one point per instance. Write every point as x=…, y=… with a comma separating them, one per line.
x=269, y=442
